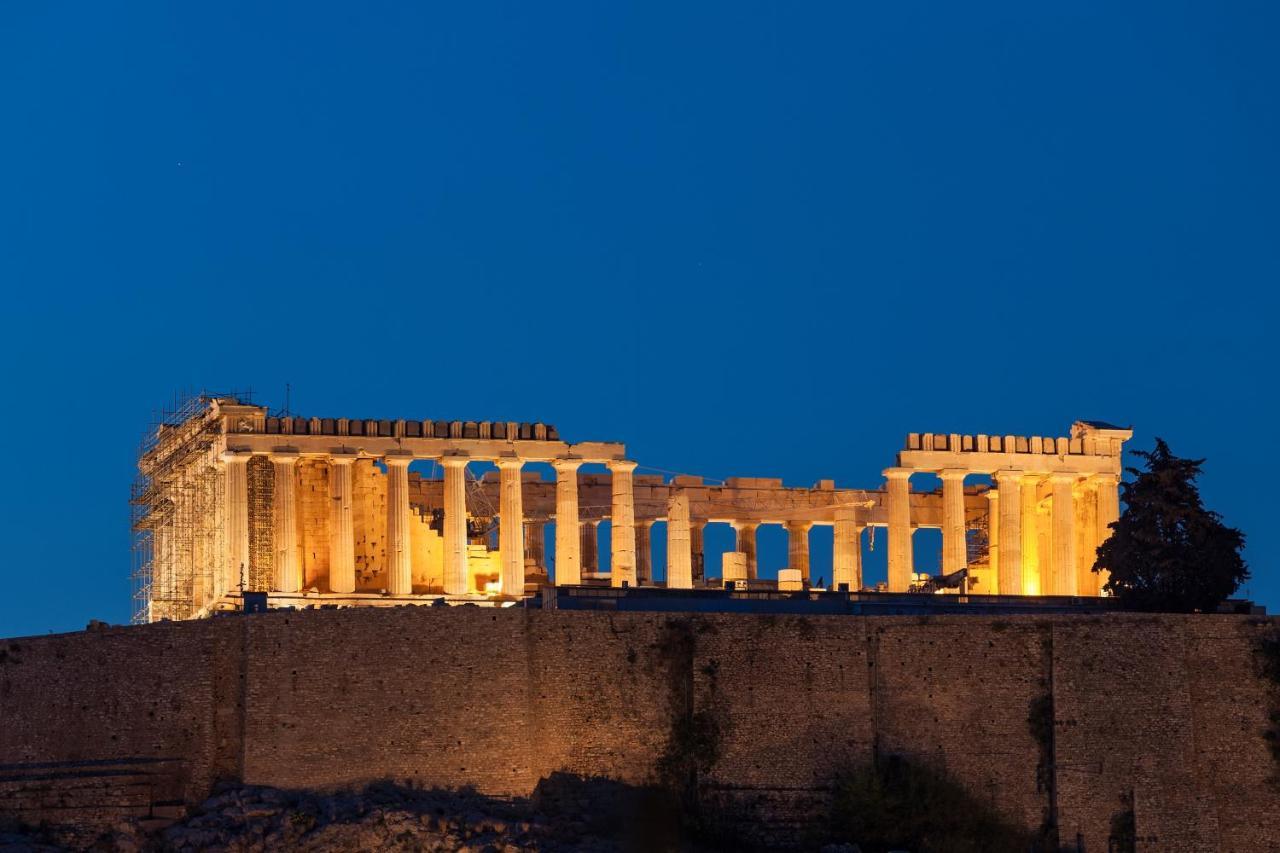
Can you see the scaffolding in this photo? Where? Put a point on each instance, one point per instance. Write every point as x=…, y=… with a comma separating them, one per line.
x=177, y=513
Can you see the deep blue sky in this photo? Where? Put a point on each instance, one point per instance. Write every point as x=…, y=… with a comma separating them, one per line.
x=745, y=239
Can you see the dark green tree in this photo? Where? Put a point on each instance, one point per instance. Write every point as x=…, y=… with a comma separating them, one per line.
x=1167, y=552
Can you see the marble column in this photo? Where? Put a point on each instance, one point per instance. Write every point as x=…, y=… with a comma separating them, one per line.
x=1044, y=545
x=342, y=537
x=456, y=574
x=1009, y=572
x=679, y=555
x=161, y=567
x=622, y=524
x=745, y=532
x=1032, y=579
x=697, y=545
x=1063, y=572
x=288, y=575
x=1086, y=497
x=798, y=547
x=1107, y=513
x=535, y=544
x=587, y=546
x=1108, y=486
x=236, y=489
x=993, y=540
x=568, y=559
x=511, y=526
x=846, y=562
x=955, y=554
x=898, y=506
x=644, y=552
x=399, y=555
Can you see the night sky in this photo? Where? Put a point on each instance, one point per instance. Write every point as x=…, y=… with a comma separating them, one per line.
x=744, y=239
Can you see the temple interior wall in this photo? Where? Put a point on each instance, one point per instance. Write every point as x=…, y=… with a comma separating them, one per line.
x=1167, y=708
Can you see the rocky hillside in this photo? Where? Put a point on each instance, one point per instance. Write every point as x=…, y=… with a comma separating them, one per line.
x=566, y=813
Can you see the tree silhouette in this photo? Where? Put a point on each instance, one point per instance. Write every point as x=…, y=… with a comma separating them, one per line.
x=1167, y=552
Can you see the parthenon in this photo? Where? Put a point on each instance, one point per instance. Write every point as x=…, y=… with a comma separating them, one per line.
x=326, y=512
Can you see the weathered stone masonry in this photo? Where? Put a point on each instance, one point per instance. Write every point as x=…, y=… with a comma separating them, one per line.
x=1168, y=709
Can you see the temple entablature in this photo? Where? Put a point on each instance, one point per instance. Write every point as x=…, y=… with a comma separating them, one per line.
x=1092, y=447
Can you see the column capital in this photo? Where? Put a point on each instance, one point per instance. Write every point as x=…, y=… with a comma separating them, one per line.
x=845, y=513
x=621, y=466
x=287, y=456
x=798, y=524
x=566, y=466
x=992, y=494
x=1011, y=475
x=236, y=455
x=454, y=461
x=898, y=473
x=1031, y=479
x=509, y=463
x=1062, y=477
x=346, y=458
x=950, y=474
x=398, y=459
x=1105, y=479
x=739, y=525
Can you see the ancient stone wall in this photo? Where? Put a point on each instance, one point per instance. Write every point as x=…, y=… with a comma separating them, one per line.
x=1166, y=710
x=313, y=522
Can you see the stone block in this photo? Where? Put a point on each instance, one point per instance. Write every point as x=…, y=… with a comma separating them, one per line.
x=789, y=580
x=733, y=566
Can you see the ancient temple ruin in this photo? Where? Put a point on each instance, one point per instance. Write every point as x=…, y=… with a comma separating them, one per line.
x=326, y=512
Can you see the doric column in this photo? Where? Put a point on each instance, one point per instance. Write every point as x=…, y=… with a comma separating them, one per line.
x=679, y=555
x=1032, y=580
x=342, y=537
x=568, y=560
x=697, y=545
x=1108, y=512
x=1086, y=506
x=288, y=578
x=846, y=562
x=898, y=505
x=993, y=538
x=1063, y=573
x=1108, y=486
x=587, y=544
x=644, y=552
x=954, y=550
x=236, y=488
x=399, y=555
x=535, y=544
x=1009, y=571
x=456, y=574
x=511, y=526
x=622, y=524
x=746, y=535
x=798, y=547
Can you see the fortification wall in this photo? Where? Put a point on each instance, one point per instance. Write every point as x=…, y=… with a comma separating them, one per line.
x=1166, y=709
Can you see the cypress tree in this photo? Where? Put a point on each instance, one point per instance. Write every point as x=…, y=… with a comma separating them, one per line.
x=1167, y=552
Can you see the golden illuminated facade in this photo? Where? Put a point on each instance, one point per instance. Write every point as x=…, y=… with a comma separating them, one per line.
x=326, y=511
